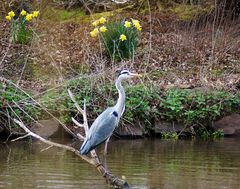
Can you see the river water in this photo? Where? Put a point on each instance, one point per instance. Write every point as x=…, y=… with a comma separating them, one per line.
x=146, y=164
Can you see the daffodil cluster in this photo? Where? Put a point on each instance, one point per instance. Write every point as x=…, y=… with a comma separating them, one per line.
x=10, y=15
x=133, y=23
x=23, y=13
x=119, y=37
x=127, y=24
x=99, y=27
x=20, y=32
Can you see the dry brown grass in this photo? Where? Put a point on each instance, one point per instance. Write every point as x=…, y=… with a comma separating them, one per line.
x=170, y=53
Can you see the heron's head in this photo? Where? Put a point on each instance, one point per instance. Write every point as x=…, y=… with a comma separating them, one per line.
x=125, y=74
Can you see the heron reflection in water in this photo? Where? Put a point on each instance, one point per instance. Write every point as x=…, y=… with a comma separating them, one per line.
x=103, y=127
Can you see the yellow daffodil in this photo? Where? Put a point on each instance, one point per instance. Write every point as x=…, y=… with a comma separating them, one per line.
x=23, y=13
x=139, y=28
x=95, y=23
x=96, y=30
x=135, y=21
x=102, y=20
x=123, y=37
x=35, y=14
x=137, y=25
x=29, y=17
x=8, y=17
x=127, y=24
x=11, y=14
x=103, y=29
x=94, y=33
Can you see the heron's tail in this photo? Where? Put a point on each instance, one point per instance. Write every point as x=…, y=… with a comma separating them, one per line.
x=86, y=147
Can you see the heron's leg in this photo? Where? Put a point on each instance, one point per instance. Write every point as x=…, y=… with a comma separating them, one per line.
x=105, y=153
x=105, y=147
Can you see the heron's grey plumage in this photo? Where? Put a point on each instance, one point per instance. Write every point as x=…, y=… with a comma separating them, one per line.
x=103, y=127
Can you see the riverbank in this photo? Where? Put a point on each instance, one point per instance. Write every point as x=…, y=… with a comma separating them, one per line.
x=150, y=111
x=190, y=69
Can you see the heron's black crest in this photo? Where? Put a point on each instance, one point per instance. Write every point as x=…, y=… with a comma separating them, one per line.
x=115, y=114
x=122, y=72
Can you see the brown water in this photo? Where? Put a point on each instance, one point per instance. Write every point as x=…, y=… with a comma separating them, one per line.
x=145, y=163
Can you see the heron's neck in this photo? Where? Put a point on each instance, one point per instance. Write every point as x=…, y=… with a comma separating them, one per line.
x=121, y=98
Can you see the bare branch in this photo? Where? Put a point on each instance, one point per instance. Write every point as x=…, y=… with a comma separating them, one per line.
x=75, y=102
x=110, y=178
x=82, y=111
x=77, y=123
x=21, y=137
x=46, y=148
x=85, y=122
x=69, y=148
x=80, y=136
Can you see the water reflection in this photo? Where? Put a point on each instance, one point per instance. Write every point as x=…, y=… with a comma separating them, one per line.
x=145, y=164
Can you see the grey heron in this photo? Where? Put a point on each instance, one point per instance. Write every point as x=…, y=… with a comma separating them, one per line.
x=103, y=127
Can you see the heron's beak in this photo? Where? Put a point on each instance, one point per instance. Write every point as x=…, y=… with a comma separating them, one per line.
x=136, y=75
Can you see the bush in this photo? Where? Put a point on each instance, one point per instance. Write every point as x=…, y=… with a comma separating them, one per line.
x=196, y=107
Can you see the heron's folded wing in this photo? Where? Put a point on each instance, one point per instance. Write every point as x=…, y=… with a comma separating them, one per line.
x=103, y=129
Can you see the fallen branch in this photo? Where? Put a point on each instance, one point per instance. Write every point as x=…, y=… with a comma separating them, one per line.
x=109, y=177
x=92, y=159
x=69, y=148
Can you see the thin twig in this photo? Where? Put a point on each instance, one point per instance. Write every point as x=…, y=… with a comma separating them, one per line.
x=5, y=54
x=21, y=137
x=82, y=111
x=77, y=123
x=46, y=148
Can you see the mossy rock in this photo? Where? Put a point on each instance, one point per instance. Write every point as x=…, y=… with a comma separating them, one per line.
x=74, y=15
x=187, y=12
x=55, y=14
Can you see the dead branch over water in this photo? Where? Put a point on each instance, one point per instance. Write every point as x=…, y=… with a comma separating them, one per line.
x=93, y=159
